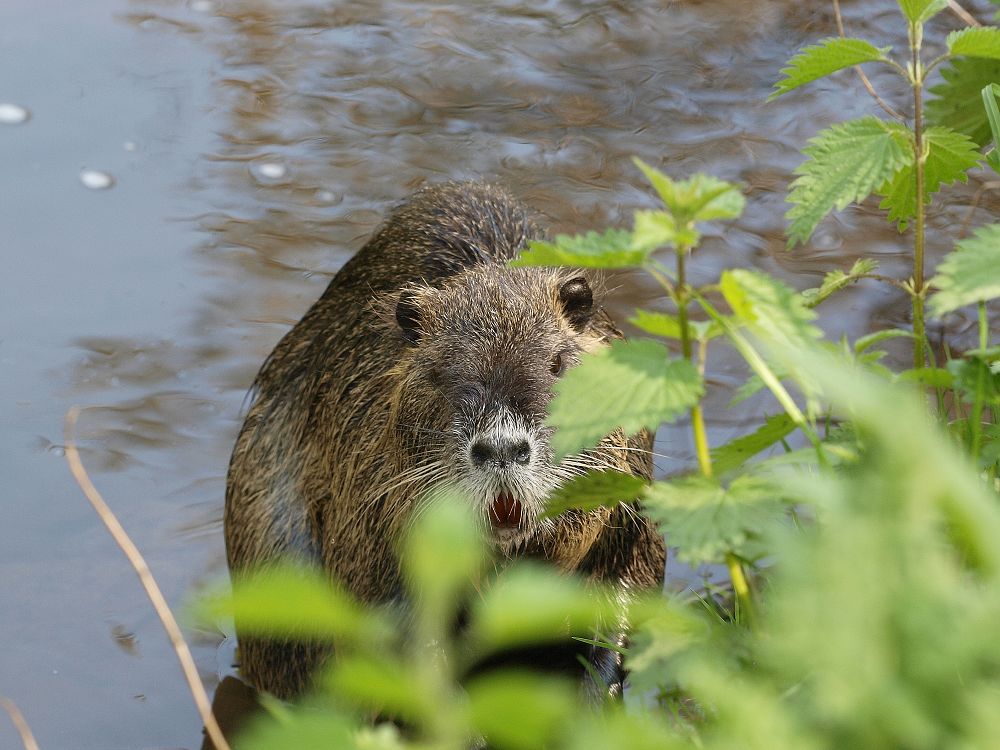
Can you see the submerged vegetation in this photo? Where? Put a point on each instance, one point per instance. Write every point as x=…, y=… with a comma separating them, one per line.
x=858, y=523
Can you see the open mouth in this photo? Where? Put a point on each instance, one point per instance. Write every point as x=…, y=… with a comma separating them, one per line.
x=505, y=512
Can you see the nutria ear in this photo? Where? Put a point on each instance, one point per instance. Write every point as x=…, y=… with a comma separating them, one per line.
x=408, y=316
x=578, y=302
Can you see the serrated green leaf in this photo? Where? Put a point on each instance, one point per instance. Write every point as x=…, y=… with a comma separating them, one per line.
x=970, y=375
x=705, y=330
x=992, y=110
x=639, y=387
x=845, y=163
x=531, y=604
x=983, y=41
x=668, y=326
x=822, y=59
x=918, y=11
x=736, y=452
x=714, y=198
x=594, y=490
x=751, y=386
x=614, y=248
x=990, y=354
x=299, y=728
x=698, y=198
x=543, y=705
x=294, y=601
x=950, y=155
x=866, y=342
x=970, y=273
x=669, y=629
x=385, y=686
x=958, y=102
x=705, y=521
x=621, y=730
x=932, y=377
x=653, y=229
x=769, y=307
x=443, y=553
x=657, y=323
x=834, y=281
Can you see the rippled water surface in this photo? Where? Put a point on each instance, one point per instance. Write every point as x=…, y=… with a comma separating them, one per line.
x=178, y=181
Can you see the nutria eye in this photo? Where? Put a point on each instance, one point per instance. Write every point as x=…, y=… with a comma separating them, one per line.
x=577, y=301
x=558, y=365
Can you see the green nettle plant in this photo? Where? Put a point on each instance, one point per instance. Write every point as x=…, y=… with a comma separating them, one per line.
x=873, y=623
x=397, y=677
x=906, y=165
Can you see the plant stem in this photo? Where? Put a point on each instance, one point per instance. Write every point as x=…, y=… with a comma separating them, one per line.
x=861, y=74
x=752, y=357
x=697, y=416
x=741, y=587
x=701, y=440
x=984, y=326
x=917, y=80
x=682, y=301
x=976, y=417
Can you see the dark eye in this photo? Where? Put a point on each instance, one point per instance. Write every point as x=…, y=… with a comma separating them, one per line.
x=558, y=365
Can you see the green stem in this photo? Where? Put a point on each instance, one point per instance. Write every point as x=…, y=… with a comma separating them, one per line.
x=917, y=80
x=682, y=297
x=766, y=374
x=697, y=418
x=898, y=68
x=984, y=326
x=976, y=417
x=742, y=588
x=935, y=62
x=701, y=440
x=663, y=279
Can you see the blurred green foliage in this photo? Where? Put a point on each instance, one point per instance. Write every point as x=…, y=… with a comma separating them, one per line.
x=859, y=524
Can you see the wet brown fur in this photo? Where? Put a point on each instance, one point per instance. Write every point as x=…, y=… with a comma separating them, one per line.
x=347, y=426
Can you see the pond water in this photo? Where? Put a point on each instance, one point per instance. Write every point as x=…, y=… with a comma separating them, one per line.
x=179, y=180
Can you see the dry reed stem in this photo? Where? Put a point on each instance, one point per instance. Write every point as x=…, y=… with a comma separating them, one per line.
x=861, y=74
x=148, y=583
x=27, y=738
x=962, y=13
x=990, y=185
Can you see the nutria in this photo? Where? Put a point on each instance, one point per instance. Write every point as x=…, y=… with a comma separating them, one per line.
x=427, y=360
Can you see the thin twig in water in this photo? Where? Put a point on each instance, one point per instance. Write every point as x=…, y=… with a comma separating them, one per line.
x=148, y=582
x=27, y=738
x=962, y=13
x=861, y=74
x=992, y=185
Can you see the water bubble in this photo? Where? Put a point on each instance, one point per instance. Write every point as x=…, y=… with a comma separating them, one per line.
x=129, y=145
x=269, y=172
x=12, y=114
x=95, y=180
x=202, y=6
x=325, y=196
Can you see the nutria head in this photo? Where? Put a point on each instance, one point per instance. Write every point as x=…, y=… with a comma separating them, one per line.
x=482, y=351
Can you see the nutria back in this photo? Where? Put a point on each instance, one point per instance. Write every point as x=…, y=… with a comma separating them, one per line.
x=427, y=363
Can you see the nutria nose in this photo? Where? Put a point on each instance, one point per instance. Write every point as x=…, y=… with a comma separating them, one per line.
x=501, y=452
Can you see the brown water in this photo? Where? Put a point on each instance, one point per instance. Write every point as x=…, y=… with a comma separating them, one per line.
x=254, y=145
